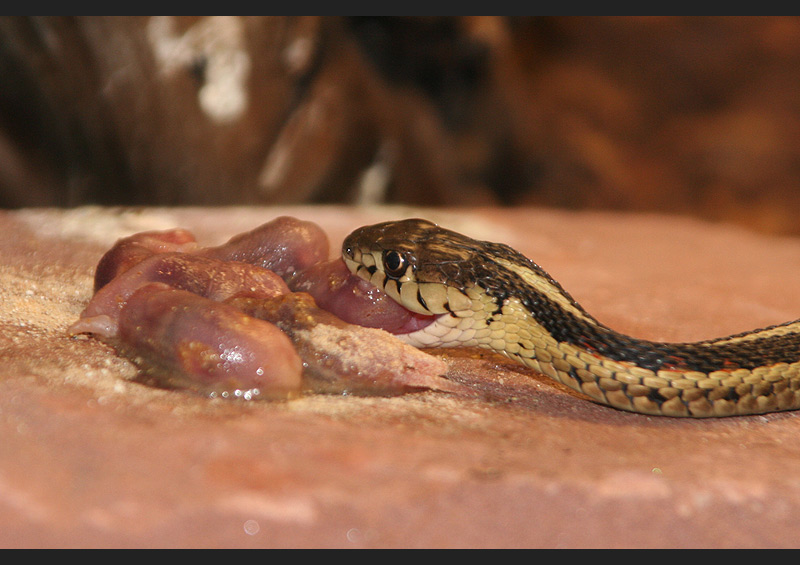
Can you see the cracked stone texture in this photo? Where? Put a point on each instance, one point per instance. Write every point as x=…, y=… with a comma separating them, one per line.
x=90, y=458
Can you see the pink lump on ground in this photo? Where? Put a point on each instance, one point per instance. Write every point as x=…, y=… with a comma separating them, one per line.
x=219, y=320
x=346, y=358
x=355, y=300
x=284, y=245
x=184, y=339
x=134, y=249
x=206, y=277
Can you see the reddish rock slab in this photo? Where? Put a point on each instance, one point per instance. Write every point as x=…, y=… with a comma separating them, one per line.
x=91, y=458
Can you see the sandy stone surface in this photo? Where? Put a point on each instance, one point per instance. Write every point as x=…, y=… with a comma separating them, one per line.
x=91, y=458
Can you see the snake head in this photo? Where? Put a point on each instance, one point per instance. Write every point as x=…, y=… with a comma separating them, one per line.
x=416, y=262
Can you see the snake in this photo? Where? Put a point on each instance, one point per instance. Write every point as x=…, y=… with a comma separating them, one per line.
x=488, y=295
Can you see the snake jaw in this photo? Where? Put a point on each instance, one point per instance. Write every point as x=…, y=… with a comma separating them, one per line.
x=427, y=299
x=430, y=313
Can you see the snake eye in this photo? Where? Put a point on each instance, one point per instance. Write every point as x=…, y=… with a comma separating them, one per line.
x=394, y=263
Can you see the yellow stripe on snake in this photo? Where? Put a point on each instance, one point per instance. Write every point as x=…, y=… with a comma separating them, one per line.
x=488, y=295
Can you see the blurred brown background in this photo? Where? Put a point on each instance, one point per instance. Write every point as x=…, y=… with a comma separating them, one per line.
x=694, y=115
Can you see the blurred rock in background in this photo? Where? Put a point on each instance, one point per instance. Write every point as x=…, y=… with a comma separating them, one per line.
x=694, y=115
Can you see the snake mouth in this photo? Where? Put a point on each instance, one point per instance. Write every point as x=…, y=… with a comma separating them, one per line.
x=379, y=309
x=411, y=323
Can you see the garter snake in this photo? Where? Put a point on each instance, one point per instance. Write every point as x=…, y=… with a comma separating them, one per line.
x=489, y=295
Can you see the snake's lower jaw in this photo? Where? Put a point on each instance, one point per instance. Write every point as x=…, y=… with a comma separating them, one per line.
x=398, y=320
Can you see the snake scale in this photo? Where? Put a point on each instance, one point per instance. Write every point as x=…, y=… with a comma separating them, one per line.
x=489, y=295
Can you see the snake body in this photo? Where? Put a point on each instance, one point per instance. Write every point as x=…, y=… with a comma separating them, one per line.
x=489, y=295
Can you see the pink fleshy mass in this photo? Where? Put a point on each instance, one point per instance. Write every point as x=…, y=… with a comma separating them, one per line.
x=346, y=358
x=284, y=245
x=206, y=277
x=134, y=249
x=240, y=316
x=355, y=300
x=187, y=340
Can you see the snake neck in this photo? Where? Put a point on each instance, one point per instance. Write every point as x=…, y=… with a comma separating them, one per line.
x=540, y=300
